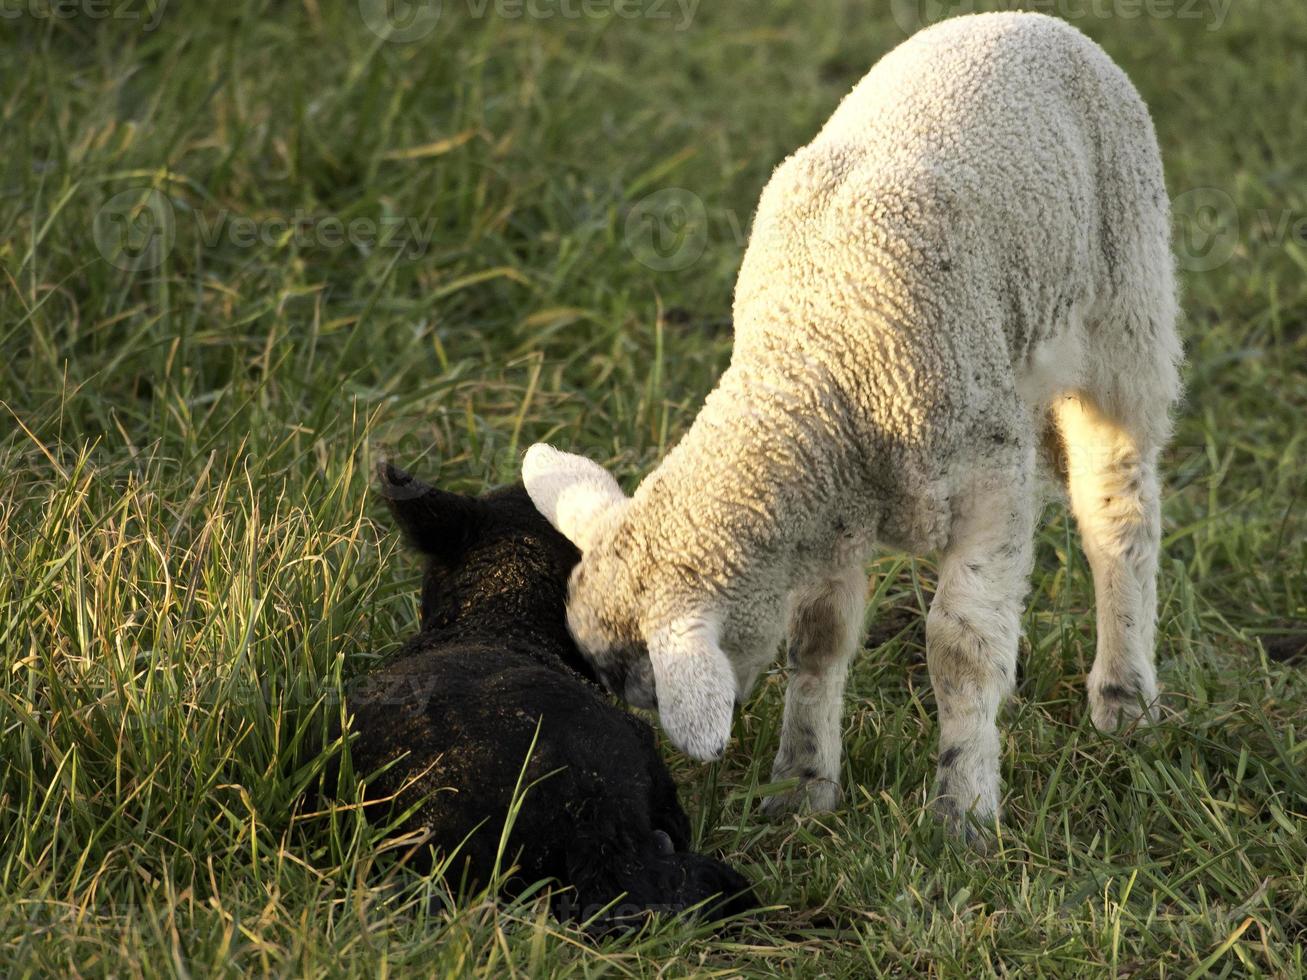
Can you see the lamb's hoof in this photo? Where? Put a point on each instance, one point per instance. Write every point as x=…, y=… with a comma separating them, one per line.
x=1113, y=707
x=967, y=826
x=813, y=795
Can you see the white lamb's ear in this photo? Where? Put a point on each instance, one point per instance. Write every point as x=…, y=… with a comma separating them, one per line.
x=696, y=687
x=570, y=491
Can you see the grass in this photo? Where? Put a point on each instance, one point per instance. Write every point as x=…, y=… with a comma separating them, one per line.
x=192, y=564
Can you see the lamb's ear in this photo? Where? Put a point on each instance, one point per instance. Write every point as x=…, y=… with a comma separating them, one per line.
x=696, y=686
x=570, y=491
x=435, y=522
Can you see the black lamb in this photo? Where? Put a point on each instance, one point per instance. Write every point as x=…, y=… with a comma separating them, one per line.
x=493, y=671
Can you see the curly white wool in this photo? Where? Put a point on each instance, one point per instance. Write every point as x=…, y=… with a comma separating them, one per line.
x=972, y=254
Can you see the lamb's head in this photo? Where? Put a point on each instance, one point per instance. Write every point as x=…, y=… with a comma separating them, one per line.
x=652, y=651
x=491, y=560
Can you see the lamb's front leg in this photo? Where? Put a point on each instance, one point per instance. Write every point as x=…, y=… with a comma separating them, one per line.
x=824, y=630
x=972, y=631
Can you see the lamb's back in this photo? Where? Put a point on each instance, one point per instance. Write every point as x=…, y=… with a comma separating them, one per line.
x=464, y=726
x=968, y=173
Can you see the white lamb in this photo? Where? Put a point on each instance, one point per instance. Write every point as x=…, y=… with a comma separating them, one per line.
x=970, y=262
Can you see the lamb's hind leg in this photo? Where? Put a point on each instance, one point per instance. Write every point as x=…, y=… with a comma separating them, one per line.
x=824, y=629
x=1112, y=483
x=972, y=631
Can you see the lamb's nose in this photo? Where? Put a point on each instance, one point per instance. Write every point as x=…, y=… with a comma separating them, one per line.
x=614, y=680
x=641, y=694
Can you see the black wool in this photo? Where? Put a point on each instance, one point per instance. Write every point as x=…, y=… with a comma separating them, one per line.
x=492, y=671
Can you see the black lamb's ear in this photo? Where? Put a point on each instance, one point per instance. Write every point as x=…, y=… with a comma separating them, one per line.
x=435, y=522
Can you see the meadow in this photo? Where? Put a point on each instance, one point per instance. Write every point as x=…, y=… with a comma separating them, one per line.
x=247, y=249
